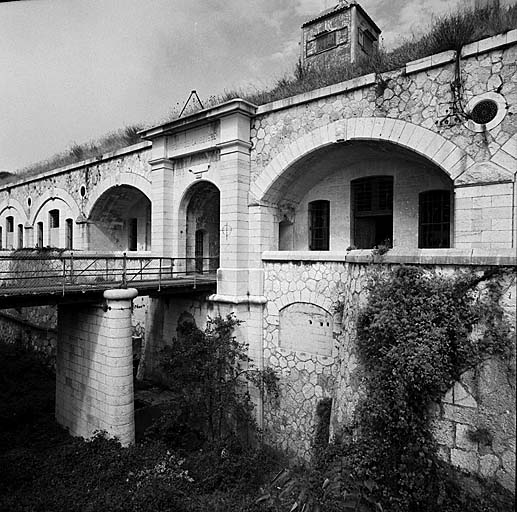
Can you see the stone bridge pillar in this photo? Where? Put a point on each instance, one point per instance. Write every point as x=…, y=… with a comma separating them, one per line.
x=94, y=367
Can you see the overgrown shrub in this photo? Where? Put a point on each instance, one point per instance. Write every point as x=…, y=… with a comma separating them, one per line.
x=415, y=338
x=209, y=371
x=42, y=468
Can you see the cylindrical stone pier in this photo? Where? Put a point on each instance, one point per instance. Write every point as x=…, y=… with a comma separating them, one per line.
x=94, y=367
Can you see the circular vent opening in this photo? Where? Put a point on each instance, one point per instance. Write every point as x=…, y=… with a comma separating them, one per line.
x=82, y=191
x=484, y=112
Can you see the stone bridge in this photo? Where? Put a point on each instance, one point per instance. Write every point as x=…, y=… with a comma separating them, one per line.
x=287, y=200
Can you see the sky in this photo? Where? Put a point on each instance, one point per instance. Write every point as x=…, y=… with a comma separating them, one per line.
x=74, y=70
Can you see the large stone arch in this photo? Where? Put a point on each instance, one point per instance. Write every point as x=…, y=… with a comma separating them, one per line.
x=443, y=153
x=52, y=194
x=124, y=178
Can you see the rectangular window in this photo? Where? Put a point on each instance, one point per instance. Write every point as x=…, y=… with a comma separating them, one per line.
x=20, y=236
x=69, y=233
x=319, y=225
x=9, y=224
x=53, y=219
x=434, y=219
x=325, y=41
x=132, y=235
x=372, y=204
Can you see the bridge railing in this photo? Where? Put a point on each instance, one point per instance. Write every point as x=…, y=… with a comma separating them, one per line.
x=39, y=272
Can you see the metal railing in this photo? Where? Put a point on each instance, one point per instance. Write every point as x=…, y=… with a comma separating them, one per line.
x=35, y=273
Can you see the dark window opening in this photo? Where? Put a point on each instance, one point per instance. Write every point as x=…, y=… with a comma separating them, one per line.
x=372, y=203
x=1, y=238
x=39, y=242
x=434, y=219
x=69, y=233
x=9, y=224
x=20, y=236
x=132, y=235
x=323, y=415
x=319, y=223
x=53, y=219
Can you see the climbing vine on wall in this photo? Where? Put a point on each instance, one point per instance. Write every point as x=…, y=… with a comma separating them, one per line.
x=417, y=334
x=209, y=370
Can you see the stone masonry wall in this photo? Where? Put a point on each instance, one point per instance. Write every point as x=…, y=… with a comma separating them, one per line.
x=33, y=327
x=306, y=377
x=422, y=97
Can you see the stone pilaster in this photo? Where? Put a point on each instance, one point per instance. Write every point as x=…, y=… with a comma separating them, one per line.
x=162, y=221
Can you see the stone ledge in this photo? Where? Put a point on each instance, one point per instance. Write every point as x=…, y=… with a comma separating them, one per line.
x=83, y=163
x=499, y=257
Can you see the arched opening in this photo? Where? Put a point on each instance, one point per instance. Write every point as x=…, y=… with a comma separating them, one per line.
x=202, y=227
x=120, y=220
x=363, y=194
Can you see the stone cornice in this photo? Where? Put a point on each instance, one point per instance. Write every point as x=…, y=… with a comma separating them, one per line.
x=499, y=257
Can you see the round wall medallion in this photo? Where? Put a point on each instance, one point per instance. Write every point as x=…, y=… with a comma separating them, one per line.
x=486, y=111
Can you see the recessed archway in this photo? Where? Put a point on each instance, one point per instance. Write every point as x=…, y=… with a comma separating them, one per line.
x=120, y=220
x=199, y=221
x=376, y=193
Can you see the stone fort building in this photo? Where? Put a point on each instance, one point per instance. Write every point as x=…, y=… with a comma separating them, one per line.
x=285, y=202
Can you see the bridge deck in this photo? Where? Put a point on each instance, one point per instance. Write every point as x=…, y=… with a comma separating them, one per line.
x=38, y=280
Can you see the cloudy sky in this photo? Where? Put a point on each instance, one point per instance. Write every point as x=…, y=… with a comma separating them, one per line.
x=73, y=70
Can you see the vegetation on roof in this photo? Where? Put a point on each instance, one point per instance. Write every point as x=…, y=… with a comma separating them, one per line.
x=78, y=152
x=448, y=32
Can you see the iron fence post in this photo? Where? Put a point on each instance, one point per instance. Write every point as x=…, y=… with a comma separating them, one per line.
x=160, y=275
x=124, y=269
x=64, y=274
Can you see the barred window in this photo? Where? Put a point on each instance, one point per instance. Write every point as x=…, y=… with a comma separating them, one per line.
x=319, y=225
x=434, y=219
x=372, y=205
